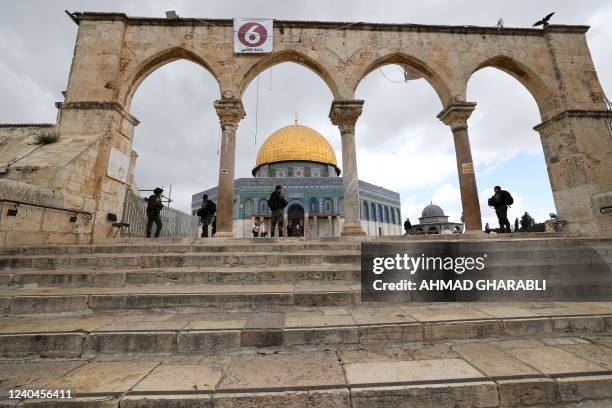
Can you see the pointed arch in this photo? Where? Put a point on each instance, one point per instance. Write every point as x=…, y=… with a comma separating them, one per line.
x=542, y=94
x=146, y=66
x=435, y=79
x=289, y=56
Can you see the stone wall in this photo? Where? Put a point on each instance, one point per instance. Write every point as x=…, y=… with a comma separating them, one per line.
x=36, y=225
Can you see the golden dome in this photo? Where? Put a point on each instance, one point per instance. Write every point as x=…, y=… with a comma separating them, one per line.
x=296, y=143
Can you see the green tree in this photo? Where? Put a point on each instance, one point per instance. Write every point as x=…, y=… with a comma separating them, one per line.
x=516, y=224
x=527, y=222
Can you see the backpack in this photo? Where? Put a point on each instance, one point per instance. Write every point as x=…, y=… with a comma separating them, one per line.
x=275, y=202
x=509, y=199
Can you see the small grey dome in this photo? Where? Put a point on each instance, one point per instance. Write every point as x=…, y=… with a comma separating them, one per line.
x=432, y=210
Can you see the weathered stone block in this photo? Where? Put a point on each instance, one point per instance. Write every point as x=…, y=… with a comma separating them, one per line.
x=527, y=327
x=127, y=343
x=527, y=392
x=48, y=304
x=461, y=330
x=206, y=342
x=41, y=345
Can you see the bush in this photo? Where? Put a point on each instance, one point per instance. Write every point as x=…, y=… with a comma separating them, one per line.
x=46, y=137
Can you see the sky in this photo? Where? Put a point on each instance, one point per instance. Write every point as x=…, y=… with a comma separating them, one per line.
x=401, y=145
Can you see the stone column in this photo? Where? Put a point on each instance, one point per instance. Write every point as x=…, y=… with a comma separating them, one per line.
x=331, y=225
x=285, y=223
x=344, y=114
x=456, y=116
x=306, y=226
x=316, y=226
x=230, y=113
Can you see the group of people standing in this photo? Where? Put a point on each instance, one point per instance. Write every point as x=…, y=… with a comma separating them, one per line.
x=501, y=200
x=154, y=207
x=207, y=214
x=277, y=202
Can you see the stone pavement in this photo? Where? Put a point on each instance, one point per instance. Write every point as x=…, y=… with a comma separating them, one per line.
x=492, y=372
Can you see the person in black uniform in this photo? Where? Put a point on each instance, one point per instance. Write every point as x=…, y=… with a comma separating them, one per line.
x=206, y=214
x=407, y=226
x=277, y=204
x=501, y=200
x=154, y=207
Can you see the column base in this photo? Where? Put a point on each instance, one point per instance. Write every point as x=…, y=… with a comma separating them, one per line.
x=223, y=234
x=352, y=230
x=476, y=233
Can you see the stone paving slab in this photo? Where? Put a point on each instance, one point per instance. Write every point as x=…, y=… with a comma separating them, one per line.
x=22, y=374
x=117, y=376
x=554, y=361
x=175, y=377
x=398, y=372
x=492, y=361
x=292, y=371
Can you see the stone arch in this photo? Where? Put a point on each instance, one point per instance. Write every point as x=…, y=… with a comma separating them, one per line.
x=328, y=206
x=314, y=205
x=248, y=207
x=289, y=56
x=365, y=211
x=433, y=77
x=145, y=66
x=262, y=207
x=541, y=93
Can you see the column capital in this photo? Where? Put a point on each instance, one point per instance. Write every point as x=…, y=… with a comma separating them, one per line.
x=344, y=113
x=230, y=111
x=456, y=115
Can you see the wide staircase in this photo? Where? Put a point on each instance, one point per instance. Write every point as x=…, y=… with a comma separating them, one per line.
x=279, y=323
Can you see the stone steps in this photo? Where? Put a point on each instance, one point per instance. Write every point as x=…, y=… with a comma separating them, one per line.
x=60, y=300
x=106, y=261
x=568, y=372
x=173, y=247
x=279, y=323
x=214, y=332
x=179, y=275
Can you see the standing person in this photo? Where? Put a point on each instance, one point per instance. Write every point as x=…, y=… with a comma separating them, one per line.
x=154, y=207
x=206, y=214
x=255, y=230
x=487, y=228
x=501, y=200
x=407, y=226
x=297, y=229
x=277, y=204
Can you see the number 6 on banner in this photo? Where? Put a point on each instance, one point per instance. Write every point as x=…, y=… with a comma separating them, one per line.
x=252, y=36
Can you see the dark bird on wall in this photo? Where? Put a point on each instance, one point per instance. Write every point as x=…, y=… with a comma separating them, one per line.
x=544, y=21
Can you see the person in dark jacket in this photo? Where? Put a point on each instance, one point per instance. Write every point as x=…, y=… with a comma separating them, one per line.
x=206, y=214
x=154, y=207
x=407, y=226
x=501, y=200
x=277, y=204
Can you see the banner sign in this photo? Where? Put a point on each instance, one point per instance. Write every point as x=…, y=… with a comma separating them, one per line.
x=252, y=36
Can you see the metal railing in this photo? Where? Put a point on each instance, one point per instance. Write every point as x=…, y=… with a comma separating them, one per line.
x=175, y=223
x=49, y=207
